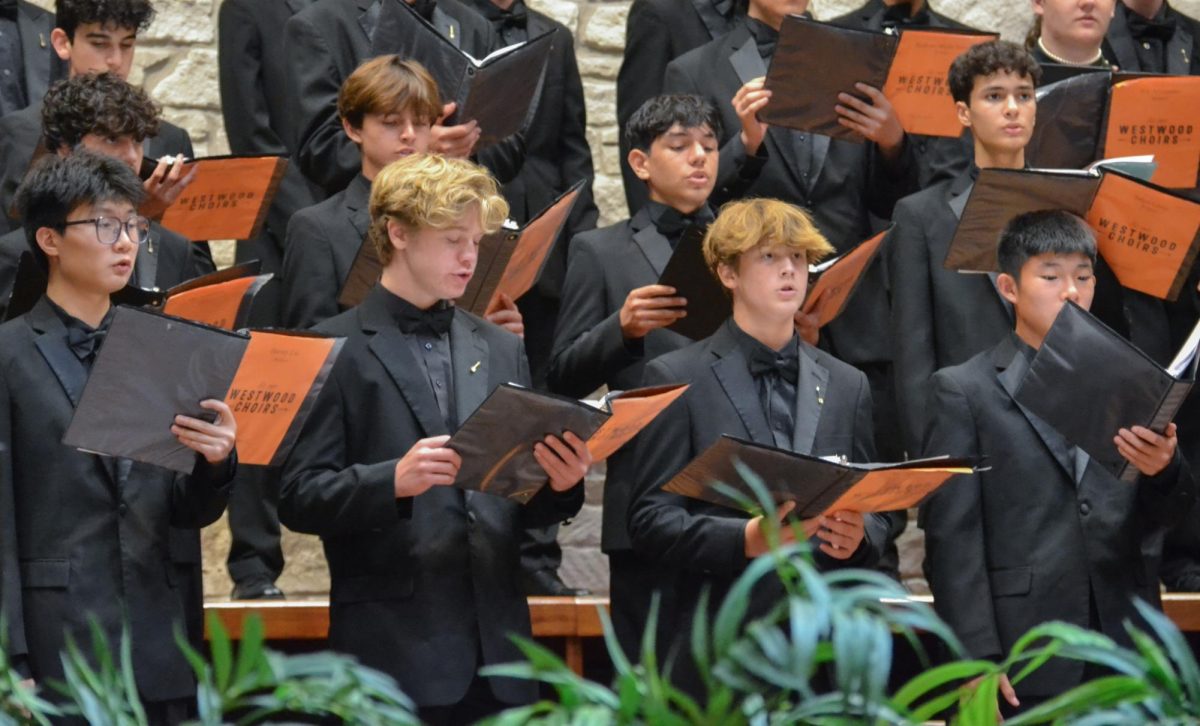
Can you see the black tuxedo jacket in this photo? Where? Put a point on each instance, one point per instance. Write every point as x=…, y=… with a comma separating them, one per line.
x=20, y=136
x=42, y=64
x=1183, y=50
x=85, y=536
x=939, y=317
x=843, y=184
x=701, y=544
x=163, y=263
x=325, y=42
x=420, y=586
x=1027, y=540
x=937, y=157
x=656, y=33
x=322, y=243
x=589, y=349
x=254, y=104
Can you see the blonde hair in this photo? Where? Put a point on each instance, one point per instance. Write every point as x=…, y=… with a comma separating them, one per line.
x=745, y=224
x=426, y=191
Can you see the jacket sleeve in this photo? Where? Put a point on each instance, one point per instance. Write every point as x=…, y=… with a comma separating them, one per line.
x=310, y=283
x=243, y=102
x=11, y=605
x=589, y=348
x=575, y=155
x=913, y=341
x=201, y=497
x=955, y=556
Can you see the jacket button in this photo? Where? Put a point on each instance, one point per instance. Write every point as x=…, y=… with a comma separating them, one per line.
x=470, y=518
x=123, y=509
x=1085, y=508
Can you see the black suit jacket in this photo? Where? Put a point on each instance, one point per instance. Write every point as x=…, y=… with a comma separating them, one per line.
x=163, y=263
x=589, y=348
x=254, y=104
x=322, y=243
x=325, y=42
x=42, y=64
x=844, y=184
x=656, y=33
x=20, y=137
x=1026, y=540
x=937, y=157
x=939, y=317
x=419, y=586
x=1183, y=50
x=83, y=536
x=702, y=543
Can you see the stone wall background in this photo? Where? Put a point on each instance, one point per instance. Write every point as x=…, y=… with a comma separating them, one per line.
x=176, y=61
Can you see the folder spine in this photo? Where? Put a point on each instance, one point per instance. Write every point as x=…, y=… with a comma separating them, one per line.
x=1168, y=407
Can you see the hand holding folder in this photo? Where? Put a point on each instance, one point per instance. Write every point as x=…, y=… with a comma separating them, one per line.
x=911, y=71
x=228, y=198
x=817, y=485
x=1087, y=382
x=152, y=367
x=496, y=442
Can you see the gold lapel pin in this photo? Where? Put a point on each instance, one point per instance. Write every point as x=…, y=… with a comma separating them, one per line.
x=41, y=40
x=820, y=398
x=476, y=366
x=451, y=29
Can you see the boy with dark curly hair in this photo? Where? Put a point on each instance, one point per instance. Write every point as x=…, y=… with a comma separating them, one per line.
x=93, y=36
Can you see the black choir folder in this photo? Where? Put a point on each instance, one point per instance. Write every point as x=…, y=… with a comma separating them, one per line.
x=153, y=366
x=910, y=70
x=831, y=284
x=510, y=260
x=498, y=91
x=496, y=442
x=816, y=485
x=1086, y=381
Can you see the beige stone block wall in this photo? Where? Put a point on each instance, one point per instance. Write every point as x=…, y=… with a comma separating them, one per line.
x=177, y=62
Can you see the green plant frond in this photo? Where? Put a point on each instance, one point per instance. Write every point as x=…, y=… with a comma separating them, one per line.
x=1181, y=654
x=1095, y=695
x=762, y=496
x=1159, y=669
x=701, y=653
x=939, y=677
x=979, y=706
x=1034, y=658
x=754, y=666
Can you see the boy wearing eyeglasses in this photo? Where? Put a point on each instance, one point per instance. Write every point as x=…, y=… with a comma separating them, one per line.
x=84, y=537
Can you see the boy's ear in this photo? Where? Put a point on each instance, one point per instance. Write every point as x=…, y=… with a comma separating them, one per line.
x=637, y=161
x=1007, y=285
x=397, y=234
x=354, y=134
x=727, y=274
x=61, y=44
x=964, y=113
x=48, y=240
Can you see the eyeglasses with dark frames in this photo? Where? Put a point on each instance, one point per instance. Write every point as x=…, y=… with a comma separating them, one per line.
x=108, y=229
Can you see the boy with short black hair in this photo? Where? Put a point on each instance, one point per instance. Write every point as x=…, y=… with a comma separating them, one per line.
x=613, y=313
x=756, y=379
x=1044, y=533
x=86, y=537
x=424, y=576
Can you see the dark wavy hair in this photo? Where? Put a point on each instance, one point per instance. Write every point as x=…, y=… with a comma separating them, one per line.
x=70, y=14
x=1054, y=231
x=96, y=104
x=56, y=185
x=657, y=115
x=985, y=59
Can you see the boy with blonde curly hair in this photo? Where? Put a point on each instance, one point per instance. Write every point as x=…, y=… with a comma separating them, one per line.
x=413, y=561
x=756, y=379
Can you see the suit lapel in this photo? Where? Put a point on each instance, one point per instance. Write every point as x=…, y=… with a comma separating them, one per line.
x=1121, y=41
x=469, y=358
x=1179, y=61
x=297, y=5
x=960, y=192
x=811, y=386
x=447, y=26
x=820, y=149
x=1014, y=366
x=650, y=241
x=733, y=373
x=395, y=355
x=746, y=61
x=369, y=18
x=356, y=201
x=716, y=23
x=34, y=28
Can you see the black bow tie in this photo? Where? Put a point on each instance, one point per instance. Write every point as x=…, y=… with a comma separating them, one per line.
x=672, y=223
x=1150, y=29
x=901, y=15
x=786, y=365
x=434, y=321
x=514, y=17
x=85, y=343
